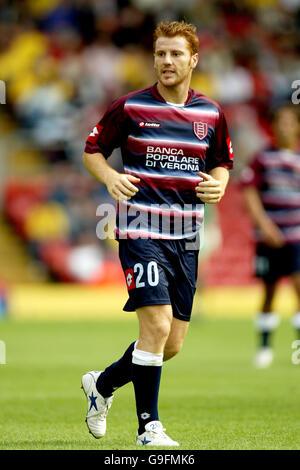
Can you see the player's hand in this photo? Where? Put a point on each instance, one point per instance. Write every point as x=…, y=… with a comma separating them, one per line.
x=209, y=190
x=272, y=235
x=120, y=186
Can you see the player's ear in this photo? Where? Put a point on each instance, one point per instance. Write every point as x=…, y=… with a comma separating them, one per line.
x=194, y=60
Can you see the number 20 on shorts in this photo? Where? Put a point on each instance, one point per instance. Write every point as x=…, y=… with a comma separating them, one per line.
x=140, y=275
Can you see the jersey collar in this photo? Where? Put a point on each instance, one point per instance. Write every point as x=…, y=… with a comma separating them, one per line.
x=158, y=96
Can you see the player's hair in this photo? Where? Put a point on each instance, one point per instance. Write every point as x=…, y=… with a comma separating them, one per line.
x=177, y=28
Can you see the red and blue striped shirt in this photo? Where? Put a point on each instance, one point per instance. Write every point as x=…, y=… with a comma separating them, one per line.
x=276, y=175
x=165, y=145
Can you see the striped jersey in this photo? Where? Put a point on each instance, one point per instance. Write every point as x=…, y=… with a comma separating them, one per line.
x=276, y=175
x=165, y=145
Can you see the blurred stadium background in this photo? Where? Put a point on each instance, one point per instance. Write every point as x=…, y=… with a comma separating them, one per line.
x=62, y=63
x=62, y=289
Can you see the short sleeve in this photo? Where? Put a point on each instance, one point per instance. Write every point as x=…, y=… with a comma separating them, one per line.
x=251, y=174
x=110, y=131
x=220, y=152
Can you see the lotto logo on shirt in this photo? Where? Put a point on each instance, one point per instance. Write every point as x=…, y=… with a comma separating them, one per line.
x=149, y=124
x=95, y=133
x=230, y=149
x=129, y=279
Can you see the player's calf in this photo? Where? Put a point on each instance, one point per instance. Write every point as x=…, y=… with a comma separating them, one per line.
x=171, y=352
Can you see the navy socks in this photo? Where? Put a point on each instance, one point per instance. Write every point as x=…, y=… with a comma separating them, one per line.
x=117, y=374
x=144, y=370
x=146, y=381
x=146, y=373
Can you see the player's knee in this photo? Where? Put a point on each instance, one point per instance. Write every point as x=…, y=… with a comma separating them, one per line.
x=154, y=334
x=155, y=324
x=161, y=330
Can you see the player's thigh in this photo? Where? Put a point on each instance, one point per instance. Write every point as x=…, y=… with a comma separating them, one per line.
x=182, y=280
x=270, y=263
x=143, y=264
x=176, y=337
x=269, y=288
x=296, y=278
x=295, y=266
x=296, y=281
x=294, y=253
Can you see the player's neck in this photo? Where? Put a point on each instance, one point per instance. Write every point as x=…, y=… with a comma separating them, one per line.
x=288, y=144
x=177, y=94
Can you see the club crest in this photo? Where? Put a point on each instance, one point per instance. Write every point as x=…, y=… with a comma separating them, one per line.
x=200, y=129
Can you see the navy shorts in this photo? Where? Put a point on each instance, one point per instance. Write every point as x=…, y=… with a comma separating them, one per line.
x=159, y=272
x=273, y=263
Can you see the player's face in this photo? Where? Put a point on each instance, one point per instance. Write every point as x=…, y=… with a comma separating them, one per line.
x=286, y=126
x=173, y=60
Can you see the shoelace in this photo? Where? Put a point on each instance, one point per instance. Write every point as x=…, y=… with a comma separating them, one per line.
x=103, y=412
x=160, y=431
x=107, y=406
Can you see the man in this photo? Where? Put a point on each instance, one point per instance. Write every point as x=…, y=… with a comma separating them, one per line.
x=176, y=154
x=272, y=194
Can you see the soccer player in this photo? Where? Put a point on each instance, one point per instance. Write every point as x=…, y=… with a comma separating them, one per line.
x=176, y=154
x=272, y=194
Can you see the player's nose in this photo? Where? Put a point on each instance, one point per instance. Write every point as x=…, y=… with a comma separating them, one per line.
x=167, y=58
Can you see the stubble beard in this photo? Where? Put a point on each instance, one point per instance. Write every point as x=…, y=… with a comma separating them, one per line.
x=174, y=83
x=178, y=81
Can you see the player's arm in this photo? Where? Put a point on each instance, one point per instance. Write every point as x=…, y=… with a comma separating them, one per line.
x=219, y=160
x=107, y=135
x=270, y=231
x=120, y=186
x=212, y=187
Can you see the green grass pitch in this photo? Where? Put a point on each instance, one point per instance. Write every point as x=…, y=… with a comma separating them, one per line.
x=210, y=398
